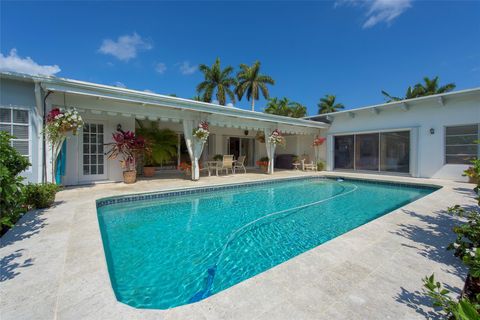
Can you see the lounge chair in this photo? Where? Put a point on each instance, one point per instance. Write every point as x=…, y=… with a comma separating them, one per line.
x=227, y=163
x=307, y=164
x=240, y=164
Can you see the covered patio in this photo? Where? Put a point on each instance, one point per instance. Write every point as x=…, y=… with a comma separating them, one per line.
x=232, y=131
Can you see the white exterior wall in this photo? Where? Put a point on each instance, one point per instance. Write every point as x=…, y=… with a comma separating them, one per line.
x=427, y=150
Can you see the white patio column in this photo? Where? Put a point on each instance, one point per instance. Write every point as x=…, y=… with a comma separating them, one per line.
x=194, y=147
x=270, y=151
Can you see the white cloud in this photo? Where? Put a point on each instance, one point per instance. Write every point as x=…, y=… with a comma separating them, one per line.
x=126, y=47
x=161, y=67
x=14, y=63
x=379, y=11
x=186, y=68
x=120, y=84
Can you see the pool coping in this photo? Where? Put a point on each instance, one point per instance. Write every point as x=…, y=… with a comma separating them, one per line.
x=68, y=253
x=160, y=194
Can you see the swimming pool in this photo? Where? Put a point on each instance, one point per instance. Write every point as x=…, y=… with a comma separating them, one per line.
x=173, y=248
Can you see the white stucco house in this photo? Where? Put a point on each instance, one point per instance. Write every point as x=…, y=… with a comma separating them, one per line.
x=429, y=137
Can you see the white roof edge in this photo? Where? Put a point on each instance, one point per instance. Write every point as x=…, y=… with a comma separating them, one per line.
x=397, y=103
x=163, y=98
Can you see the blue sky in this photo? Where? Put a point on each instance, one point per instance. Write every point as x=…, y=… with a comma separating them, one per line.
x=350, y=48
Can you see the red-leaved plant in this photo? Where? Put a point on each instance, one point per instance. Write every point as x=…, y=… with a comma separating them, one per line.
x=126, y=145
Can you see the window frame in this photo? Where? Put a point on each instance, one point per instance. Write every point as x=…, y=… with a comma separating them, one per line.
x=28, y=124
x=445, y=145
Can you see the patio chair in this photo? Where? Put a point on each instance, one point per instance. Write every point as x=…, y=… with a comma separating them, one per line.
x=240, y=164
x=227, y=163
x=205, y=167
x=308, y=164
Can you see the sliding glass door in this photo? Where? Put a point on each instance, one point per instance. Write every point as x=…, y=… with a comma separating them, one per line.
x=395, y=151
x=366, y=151
x=344, y=155
x=379, y=151
x=242, y=147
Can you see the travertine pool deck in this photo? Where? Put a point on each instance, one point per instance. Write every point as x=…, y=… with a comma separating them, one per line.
x=53, y=264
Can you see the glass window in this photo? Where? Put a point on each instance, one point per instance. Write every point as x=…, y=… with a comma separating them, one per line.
x=460, y=146
x=366, y=151
x=395, y=151
x=16, y=123
x=344, y=152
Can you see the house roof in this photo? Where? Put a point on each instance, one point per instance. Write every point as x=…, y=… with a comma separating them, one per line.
x=56, y=84
x=442, y=99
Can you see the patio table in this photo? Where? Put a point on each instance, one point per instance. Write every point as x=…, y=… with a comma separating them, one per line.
x=213, y=164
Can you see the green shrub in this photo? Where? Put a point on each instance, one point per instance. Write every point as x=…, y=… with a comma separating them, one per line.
x=11, y=187
x=217, y=157
x=320, y=166
x=40, y=196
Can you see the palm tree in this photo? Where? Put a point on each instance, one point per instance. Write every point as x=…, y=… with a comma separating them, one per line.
x=279, y=107
x=410, y=94
x=216, y=79
x=162, y=143
x=285, y=107
x=327, y=104
x=298, y=110
x=431, y=86
x=251, y=82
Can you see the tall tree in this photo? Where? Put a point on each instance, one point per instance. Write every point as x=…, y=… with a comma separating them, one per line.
x=251, y=82
x=280, y=107
x=285, y=107
x=432, y=86
x=327, y=104
x=427, y=88
x=410, y=94
x=216, y=79
x=298, y=110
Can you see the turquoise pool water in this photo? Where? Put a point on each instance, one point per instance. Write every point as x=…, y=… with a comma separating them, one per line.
x=178, y=249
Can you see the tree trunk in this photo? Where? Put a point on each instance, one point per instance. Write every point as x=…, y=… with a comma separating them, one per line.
x=471, y=288
x=253, y=104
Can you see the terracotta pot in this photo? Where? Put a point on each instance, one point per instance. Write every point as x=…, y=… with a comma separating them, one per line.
x=129, y=176
x=473, y=180
x=264, y=168
x=148, y=171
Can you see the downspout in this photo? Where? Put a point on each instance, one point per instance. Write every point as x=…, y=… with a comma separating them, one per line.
x=44, y=138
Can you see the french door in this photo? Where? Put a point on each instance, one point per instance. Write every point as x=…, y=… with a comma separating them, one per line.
x=92, y=162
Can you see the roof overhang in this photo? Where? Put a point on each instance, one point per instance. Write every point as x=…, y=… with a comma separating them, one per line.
x=403, y=105
x=141, y=98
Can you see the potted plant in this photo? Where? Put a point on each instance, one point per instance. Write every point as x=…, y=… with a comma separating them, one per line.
x=127, y=146
x=320, y=166
x=263, y=164
x=218, y=157
x=472, y=171
x=162, y=147
x=185, y=167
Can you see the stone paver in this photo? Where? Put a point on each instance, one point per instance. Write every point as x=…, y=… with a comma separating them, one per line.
x=53, y=264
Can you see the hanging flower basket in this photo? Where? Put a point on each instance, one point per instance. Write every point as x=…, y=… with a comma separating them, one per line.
x=260, y=137
x=60, y=123
x=201, y=133
x=276, y=138
x=318, y=141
